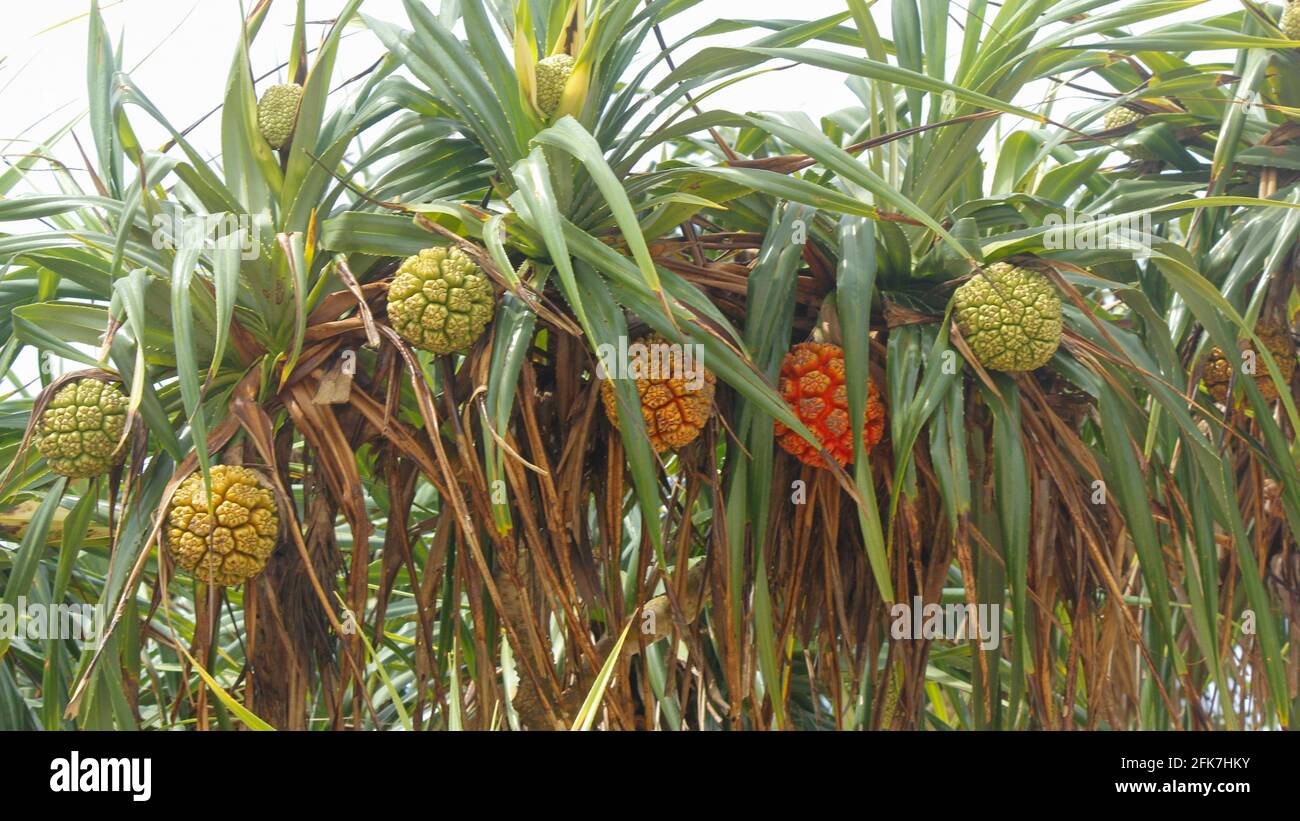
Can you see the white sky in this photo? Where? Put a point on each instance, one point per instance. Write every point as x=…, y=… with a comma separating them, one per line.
x=179, y=51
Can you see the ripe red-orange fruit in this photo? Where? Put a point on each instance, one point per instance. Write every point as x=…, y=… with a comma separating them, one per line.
x=675, y=406
x=812, y=382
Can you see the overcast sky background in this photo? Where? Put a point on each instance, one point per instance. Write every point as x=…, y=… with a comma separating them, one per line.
x=179, y=52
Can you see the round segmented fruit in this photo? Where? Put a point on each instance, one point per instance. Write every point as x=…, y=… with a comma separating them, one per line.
x=813, y=384
x=1010, y=317
x=676, y=396
x=224, y=539
x=1277, y=338
x=277, y=113
x=79, y=430
x=440, y=301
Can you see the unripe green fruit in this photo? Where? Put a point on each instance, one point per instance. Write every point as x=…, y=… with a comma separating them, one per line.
x=277, y=113
x=552, y=74
x=1119, y=117
x=79, y=429
x=1010, y=317
x=1290, y=23
x=440, y=301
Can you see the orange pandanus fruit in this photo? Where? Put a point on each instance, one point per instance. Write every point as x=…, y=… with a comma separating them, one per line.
x=1276, y=336
x=812, y=382
x=675, y=405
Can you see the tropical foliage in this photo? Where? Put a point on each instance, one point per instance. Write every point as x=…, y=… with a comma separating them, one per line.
x=467, y=541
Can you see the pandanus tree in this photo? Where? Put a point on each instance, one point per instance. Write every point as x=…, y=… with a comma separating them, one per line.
x=209, y=292
x=968, y=341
